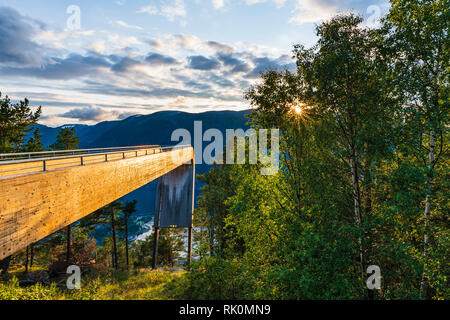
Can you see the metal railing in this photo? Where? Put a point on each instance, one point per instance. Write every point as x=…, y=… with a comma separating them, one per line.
x=41, y=161
x=54, y=153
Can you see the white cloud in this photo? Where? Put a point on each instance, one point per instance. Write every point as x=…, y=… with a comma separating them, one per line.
x=53, y=35
x=279, y=3
x=123, y=41
x=150, y=9
x=173, y=9
x=187, y=42
x=124, y=75
x=314, y=10
x=308, y=11
x=97, y=47
x=126, y=25
x=218, y=3
x=170, y=9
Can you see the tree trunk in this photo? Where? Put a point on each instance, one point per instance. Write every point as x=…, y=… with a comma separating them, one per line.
x=368, y=215
x=357, y=211
x=155, y=249
x=68, y=238
x=4, y=265
x=31, y=255
x=26, y=259
x=113, y=227
x=426, y=238
x=126, y=242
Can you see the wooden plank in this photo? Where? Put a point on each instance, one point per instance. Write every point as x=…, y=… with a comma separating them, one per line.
x=35, y=205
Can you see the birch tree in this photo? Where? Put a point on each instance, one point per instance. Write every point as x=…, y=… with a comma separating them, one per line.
x=418, y=34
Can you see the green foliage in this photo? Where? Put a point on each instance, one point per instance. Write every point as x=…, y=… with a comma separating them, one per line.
x=170, y=246
x=16, y=120
x=361, y=162
x=34, y=144
x=217, y=279
x=12, y=291
x=66, y=140
x=103, y=284
x=363, y=181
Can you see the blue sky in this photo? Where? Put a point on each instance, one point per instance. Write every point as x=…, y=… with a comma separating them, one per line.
x=130, y=57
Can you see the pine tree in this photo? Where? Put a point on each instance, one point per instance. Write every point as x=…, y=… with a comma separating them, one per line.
x=34, y=144
x=66, y=140
x=128, y=210
x=16, y=121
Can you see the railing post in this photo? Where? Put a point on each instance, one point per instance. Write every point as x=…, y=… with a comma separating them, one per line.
x=82, y=162
x=44, y=165
x=106, y=157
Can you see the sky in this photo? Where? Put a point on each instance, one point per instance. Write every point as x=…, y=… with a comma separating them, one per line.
x=91, y=61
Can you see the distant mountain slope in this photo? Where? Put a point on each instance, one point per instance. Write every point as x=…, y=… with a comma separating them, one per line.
x=155, y=128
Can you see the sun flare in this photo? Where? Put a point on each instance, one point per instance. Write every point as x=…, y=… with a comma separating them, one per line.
x=298, y=109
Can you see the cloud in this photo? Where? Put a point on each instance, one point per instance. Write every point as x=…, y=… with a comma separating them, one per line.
x=170, y=9
x=150, y=9
x=74, y=66
x=98, y=47
x=126, y=25
x=154, y=92
x=89, y=114
x=308, y=11
x=279, y=3
x=218, y=3
x=222, y=82
x=101, y=68
x=156, y=58
x=237, y=65
x=314, y=10
x=220, y=47
x=156, y=44
x=126, y=115
x=187, y=42
x=16, y=44
x=263, y=64
x=125, y=64
x=86, y=114
x=173, y=9
x=203, y=63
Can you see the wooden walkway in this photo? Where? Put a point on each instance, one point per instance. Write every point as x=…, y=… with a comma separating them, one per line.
x=41, y=193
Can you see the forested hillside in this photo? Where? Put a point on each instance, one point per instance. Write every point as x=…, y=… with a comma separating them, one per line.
x=364, y=179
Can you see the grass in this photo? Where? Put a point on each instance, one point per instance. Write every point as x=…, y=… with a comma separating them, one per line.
x=102, y=284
